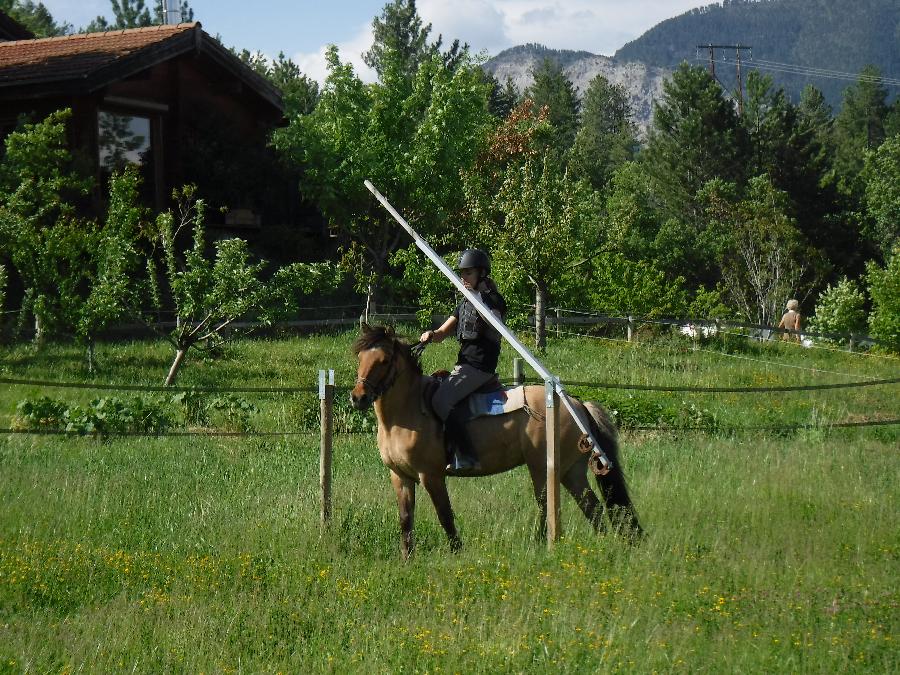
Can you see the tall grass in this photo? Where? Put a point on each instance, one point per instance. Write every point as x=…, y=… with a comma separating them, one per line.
x=764, y=553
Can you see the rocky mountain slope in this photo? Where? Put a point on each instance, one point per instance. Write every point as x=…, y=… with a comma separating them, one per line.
x=643, y=83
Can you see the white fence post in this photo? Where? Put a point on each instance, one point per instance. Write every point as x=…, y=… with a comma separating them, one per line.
x=326, y=433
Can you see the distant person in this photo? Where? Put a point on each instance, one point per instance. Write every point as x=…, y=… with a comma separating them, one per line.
x=791, y=321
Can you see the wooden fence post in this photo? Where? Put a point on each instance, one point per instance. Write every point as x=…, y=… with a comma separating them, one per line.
x=518, y=372
x=553, y=525
x=558, y=320
x=854, y=338
x=630, y=328
x=326, y=428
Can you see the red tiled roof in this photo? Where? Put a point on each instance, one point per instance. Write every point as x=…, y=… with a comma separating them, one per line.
x=79, y=56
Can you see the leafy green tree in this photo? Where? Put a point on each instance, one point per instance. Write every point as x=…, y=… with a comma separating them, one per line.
x=211, y=294
x=695, y=136
x=763, y=258
x=411, y=138
x=113, y=292
x=40, y=233
x=882, y=179
x=884, y=289
x=545, y=216
x=553, y=90
x=892, y=121
x=400, y=37
x=817, y=115
x=606, y=136
x=859, y=126
x=613, y=284
x=841, y=308
x=35, y=17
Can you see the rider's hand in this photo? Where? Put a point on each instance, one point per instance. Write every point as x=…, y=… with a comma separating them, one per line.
x=426, y=336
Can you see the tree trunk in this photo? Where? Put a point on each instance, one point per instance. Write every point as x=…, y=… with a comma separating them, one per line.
x=540, y=315
x=176, y=365
x=40, y=335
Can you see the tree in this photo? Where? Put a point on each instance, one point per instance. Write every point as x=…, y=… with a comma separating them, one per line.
x=606, y=136
x=47, y=244
x=299, y=92
x=859, y=126
x=695, y=137
x=554, y=91
x=763, y=257
x=35, y=17
x=399, y=36
x=211, y=294
x=503, y=99
x=884, y=289
x=841, y=308
x=882, y=180
x=411, y=138
x=134, y=14
x=544, y=217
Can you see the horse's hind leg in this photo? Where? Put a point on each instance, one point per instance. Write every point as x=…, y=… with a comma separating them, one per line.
x=436, y=486
x=406, y=505
x=618, y=502
x=575, y=481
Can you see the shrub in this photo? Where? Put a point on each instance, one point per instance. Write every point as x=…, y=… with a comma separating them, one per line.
x=102, y=416
x=884, y=289
x=840, y=309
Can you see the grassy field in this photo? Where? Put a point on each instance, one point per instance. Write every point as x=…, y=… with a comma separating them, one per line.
x=766, y=551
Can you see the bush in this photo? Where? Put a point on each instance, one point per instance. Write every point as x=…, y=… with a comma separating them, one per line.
x=840, y=309
x=884, y=289
x=102, y=417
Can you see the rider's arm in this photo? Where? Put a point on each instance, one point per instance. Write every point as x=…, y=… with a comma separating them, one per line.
x=439, y=335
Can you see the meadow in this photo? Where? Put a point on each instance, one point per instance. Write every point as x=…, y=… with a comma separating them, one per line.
x=767, y=550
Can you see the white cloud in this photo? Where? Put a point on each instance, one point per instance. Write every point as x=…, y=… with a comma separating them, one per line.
x=312, y=64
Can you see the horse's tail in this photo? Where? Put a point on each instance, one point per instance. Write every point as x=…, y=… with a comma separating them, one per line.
x=613, y=485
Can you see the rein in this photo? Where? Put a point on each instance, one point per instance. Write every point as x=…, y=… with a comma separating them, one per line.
x=378, y=390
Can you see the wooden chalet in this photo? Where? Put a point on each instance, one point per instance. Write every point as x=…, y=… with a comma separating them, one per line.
x=170, y=99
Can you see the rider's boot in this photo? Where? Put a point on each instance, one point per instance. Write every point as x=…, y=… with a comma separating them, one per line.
x=462, y=457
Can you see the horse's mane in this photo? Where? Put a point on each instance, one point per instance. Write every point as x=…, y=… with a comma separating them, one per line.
x=386, y=338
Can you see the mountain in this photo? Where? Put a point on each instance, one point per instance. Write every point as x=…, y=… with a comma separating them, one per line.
x=786, y=35
x=643, y=83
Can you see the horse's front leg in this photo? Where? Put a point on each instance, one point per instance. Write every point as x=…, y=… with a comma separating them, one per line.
x=436, y=485
x=405, y=489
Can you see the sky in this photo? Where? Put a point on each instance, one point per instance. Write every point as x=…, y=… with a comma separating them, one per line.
x=302, y=29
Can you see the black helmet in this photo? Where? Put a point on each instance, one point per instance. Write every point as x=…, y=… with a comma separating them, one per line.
x=474, y=257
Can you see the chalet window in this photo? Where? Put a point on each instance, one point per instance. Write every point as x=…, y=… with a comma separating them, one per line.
x=125, y=139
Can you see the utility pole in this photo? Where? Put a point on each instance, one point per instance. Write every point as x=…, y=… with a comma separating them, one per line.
x=712, y=67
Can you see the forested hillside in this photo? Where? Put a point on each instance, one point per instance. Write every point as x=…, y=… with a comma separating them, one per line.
x=834, y=35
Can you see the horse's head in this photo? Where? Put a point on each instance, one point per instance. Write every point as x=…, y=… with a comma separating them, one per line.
x=382, y=357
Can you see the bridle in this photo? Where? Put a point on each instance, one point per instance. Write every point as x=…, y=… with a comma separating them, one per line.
x=378, y=390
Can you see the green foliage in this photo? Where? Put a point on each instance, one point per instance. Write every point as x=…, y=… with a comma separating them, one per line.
x=101, y=417
x=434, y=294
x=552, y=90
x=134, y=14
x=211, y=293
x=841, y=308
x=761, y=253
x=35, y=17
x=613, y=284
x=884, y=289
x=410, y=136
x=882, y=178
x=859, y=126
x=224, y=410
x=606, y=135
x=399, y=36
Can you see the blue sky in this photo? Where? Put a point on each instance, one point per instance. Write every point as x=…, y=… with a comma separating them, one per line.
x=303, y=28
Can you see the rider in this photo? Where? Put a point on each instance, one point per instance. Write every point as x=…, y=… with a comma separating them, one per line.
x=476, y=363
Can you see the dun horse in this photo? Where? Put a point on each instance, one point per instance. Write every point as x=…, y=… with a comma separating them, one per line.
x=411, y=442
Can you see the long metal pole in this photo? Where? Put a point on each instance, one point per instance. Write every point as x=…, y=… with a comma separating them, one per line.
x=491, y=318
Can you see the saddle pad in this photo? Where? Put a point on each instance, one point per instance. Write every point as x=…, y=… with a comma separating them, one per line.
x=498, y=402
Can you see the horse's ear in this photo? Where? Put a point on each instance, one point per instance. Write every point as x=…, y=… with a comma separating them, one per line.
x=366, y=328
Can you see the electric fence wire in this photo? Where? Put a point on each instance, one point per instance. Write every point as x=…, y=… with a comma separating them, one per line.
x=804, y=71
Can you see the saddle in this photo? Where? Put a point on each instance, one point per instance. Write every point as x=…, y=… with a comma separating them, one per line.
x=491, y=398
